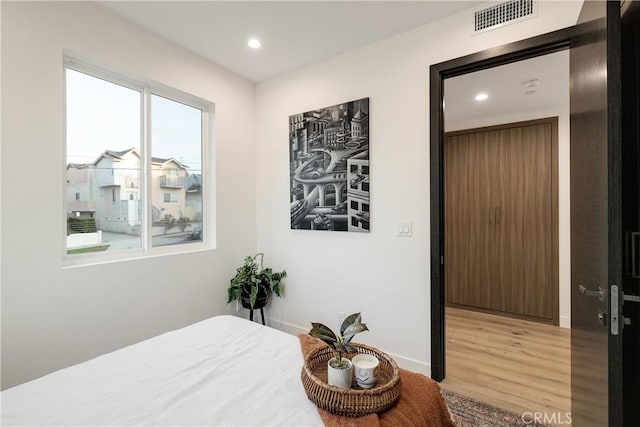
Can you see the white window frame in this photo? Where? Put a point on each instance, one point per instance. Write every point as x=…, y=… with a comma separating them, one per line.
x=147, y=88
x=171, y=195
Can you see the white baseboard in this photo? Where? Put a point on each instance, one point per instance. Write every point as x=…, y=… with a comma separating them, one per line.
x=286, y=327
x=404, y=362
x=412, y=364
x=565, y=321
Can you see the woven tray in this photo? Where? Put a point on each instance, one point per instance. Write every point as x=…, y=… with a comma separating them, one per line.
x=353, y=402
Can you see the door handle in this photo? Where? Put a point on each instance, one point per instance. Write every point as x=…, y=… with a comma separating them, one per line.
x=631, y=265
x=590, y=293
x=497, y=215
x=615, y=312
x=630, y=298
x=634, y=257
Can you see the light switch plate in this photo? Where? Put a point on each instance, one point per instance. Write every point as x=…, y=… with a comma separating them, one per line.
x=404, y=229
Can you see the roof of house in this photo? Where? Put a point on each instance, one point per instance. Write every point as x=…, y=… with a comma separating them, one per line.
x=77, y=165
x=114, y=154
x=162, y=161
x=120, y=154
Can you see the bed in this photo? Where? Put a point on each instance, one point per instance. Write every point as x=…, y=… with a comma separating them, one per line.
x=222, y=371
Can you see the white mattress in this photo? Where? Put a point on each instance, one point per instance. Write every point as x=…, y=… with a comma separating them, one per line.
x=223, y=371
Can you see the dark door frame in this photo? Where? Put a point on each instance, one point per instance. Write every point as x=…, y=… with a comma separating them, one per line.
x=501, y=55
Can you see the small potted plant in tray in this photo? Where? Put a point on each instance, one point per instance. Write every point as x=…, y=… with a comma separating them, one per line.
x=253, y=284
x=340, y=369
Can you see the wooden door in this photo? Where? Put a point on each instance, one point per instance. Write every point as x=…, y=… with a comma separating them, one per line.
x=469, y=184
x=526, y=215
x=502, y=181
x=596, y=225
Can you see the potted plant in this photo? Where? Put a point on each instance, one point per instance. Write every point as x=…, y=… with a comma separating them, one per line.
x=340, y=369
x=253, y=284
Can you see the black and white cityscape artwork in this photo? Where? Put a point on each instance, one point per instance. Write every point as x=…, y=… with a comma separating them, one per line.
x=329, y=168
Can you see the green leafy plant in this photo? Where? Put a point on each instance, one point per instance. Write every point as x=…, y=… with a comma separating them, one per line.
x=351, y=326
x=252, y=281
x=81, y=225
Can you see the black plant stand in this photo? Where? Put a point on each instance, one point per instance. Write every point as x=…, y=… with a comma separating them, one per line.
x=261, y=315
x=260, y=303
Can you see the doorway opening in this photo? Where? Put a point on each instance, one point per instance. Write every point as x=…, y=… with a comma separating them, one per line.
x=603, y=161
x=506, y=235
x=490, y=326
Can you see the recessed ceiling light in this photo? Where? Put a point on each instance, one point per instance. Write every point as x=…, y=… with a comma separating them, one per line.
x=254, y=43
x=481, y=96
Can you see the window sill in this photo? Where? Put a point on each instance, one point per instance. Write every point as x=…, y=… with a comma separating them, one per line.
x=88, y=260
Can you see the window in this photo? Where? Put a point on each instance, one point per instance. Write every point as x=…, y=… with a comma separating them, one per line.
x=365, y=186
x=171, y=197
x=365, y=207
x=354, y=205
x=122, y=135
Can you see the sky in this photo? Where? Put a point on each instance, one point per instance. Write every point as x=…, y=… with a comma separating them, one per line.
x=105, y=116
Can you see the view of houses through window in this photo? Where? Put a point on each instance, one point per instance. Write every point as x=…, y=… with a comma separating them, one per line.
x=111, y=203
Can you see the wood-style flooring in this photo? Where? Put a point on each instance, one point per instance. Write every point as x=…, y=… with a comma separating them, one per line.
x=513, y=364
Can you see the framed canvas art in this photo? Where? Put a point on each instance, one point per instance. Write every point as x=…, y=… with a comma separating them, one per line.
x=329, y=168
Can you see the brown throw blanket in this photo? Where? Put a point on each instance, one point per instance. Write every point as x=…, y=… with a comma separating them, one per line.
x=420, y=403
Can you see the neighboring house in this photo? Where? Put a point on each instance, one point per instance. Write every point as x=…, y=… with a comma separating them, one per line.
x=109, y=189
x=193, y=204
x=167, y=187
x=117, y=181
x=80, y=190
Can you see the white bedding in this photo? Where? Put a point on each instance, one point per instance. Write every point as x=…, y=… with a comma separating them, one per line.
x=223, y=371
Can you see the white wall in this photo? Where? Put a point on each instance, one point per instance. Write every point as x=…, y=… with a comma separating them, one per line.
x=564, y=188
x=384, y=276
x=53, y=317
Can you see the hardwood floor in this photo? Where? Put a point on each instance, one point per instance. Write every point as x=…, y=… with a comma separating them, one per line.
x=513, y=364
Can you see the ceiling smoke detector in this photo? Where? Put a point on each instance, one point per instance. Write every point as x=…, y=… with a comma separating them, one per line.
x=531, y=86
x=533, y=83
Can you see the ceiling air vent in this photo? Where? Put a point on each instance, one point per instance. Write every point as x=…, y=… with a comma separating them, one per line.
x=501, y=14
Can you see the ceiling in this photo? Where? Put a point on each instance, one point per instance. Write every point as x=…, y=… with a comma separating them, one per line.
x=504, y=86
x=293, y=33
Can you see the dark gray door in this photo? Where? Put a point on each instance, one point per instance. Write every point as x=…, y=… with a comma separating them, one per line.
x=630, y=61
x=596, y=229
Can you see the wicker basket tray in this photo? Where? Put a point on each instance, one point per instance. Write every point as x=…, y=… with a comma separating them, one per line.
x=353, y=402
